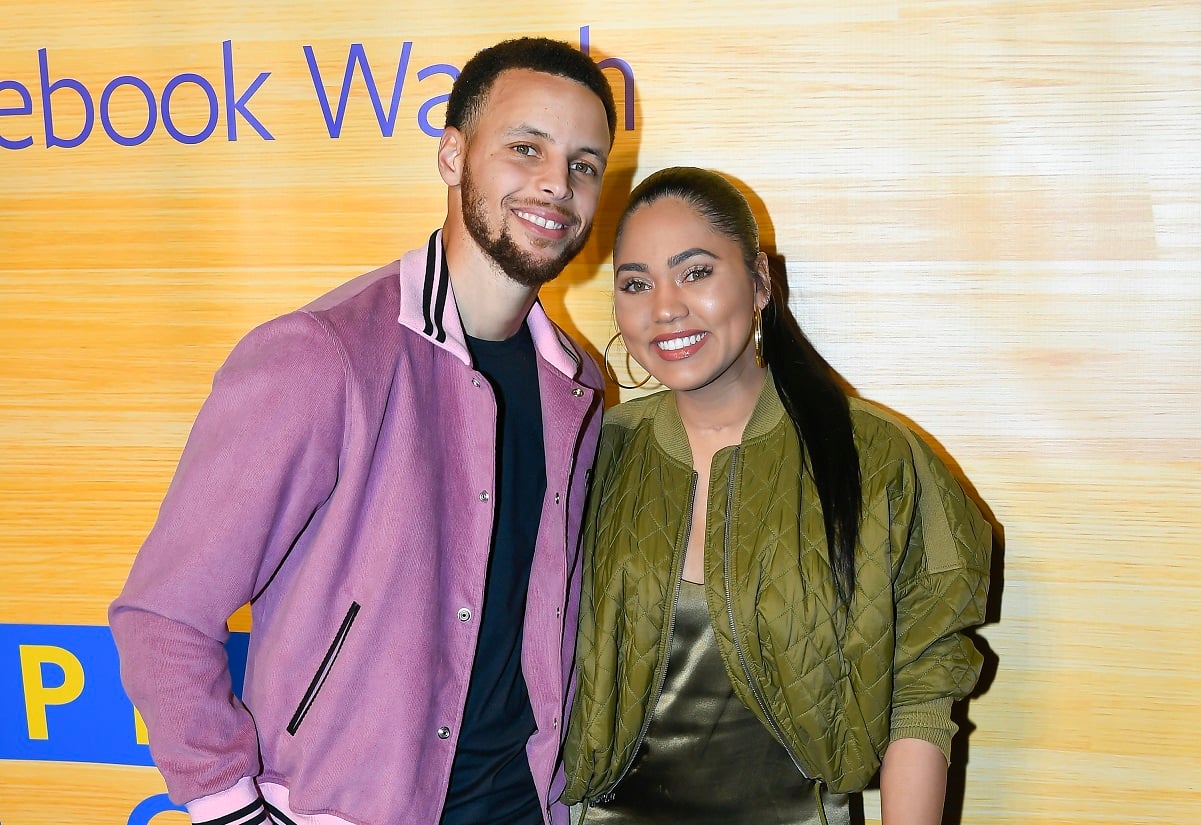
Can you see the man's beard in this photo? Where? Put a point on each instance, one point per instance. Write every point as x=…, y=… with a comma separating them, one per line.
x=522, y=267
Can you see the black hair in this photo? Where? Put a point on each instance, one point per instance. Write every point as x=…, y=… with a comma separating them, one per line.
x=815, y=402
x=470, y=91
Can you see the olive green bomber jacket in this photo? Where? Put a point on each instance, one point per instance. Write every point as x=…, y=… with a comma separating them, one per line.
x=834, y=685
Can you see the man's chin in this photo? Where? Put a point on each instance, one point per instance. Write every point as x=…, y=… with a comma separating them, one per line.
x=535, y=276
x=535, y=267
x=526, y=259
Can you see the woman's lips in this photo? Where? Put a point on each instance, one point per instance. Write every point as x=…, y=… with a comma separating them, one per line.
x=679, y=345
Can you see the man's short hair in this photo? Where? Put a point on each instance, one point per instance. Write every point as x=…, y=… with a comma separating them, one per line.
x=539, y=54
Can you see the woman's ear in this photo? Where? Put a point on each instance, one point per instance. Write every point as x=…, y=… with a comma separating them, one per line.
x=762, y=280
x=452, y=148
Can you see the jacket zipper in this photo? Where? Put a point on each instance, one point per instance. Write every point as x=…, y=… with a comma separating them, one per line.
x=607, y=795
x=725, y=560
x=322, y=672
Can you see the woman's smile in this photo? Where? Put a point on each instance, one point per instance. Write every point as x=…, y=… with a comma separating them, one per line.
x=678, y=346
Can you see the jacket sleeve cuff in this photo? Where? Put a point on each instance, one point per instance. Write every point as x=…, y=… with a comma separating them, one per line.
x=929, y=720
x=239, y=805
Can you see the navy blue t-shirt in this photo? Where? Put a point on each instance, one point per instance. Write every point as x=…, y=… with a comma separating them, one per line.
x=490, y=779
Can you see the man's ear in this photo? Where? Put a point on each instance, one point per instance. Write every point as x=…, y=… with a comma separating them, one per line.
x=452, y=151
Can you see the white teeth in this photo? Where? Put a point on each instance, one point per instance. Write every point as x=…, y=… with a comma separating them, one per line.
x=679, y=343
x=541, y=221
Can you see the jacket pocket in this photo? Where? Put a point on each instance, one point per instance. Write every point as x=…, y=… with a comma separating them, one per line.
x=327, y=665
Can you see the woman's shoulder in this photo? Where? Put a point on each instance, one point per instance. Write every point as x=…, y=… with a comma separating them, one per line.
x=885, y=439
x=878, y=429
x=629, y=415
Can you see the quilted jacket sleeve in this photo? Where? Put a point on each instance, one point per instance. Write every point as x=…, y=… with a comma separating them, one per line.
x=596, y=664
x=940, y=589
x=262, y=456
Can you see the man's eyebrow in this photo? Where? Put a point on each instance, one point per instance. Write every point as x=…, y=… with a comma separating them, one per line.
x=680, y=257
x=526, y=130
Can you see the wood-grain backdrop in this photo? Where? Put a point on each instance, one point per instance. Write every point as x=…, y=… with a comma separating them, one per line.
x=990, y=216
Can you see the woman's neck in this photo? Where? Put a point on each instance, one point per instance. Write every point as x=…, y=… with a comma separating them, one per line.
x=715, y=416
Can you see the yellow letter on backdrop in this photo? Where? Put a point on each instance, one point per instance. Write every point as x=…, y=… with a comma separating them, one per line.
x=37, y=695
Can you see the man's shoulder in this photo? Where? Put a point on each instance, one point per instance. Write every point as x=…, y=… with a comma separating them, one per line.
x=348, y=327
x=381, y=290
x=364, y=289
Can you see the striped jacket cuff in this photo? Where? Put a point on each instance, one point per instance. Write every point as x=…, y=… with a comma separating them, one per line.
x=240, y=805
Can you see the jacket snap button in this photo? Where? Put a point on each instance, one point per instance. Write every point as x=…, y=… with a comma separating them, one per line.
x=464, y=614
x=475, y=382
x=444, y=732
x=556, y=498
x=577, y=392
x=484, y=496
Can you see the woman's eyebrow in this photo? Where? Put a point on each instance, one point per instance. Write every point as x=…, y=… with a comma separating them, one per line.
x=680, y=257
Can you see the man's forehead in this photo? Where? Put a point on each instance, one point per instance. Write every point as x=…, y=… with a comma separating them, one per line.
x=521, y=97
x=517, y=82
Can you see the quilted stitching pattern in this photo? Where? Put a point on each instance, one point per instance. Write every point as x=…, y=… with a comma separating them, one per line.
x=632, y=550
x=836, y=681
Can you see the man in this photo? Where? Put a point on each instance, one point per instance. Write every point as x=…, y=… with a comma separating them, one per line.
x=393, y=477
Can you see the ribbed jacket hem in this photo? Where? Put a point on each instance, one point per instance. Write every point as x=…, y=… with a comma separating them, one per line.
x=930, y=721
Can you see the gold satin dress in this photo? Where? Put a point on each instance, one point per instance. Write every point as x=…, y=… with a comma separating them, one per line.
x=706, y=759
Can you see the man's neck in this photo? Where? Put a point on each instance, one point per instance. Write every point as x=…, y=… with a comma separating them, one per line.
x=491, y=305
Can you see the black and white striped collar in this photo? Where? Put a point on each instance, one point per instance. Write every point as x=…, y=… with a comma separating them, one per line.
x=428, y=307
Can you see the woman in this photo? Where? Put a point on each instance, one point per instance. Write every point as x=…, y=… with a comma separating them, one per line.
x=776, y=574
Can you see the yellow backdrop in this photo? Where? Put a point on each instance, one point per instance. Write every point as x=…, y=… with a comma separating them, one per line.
x=990, y=218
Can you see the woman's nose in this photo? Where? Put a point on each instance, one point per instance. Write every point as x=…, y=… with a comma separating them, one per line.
x=669, y=304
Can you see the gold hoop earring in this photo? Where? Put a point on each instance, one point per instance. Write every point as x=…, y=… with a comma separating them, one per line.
x=757, y=337
x=612, y=373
